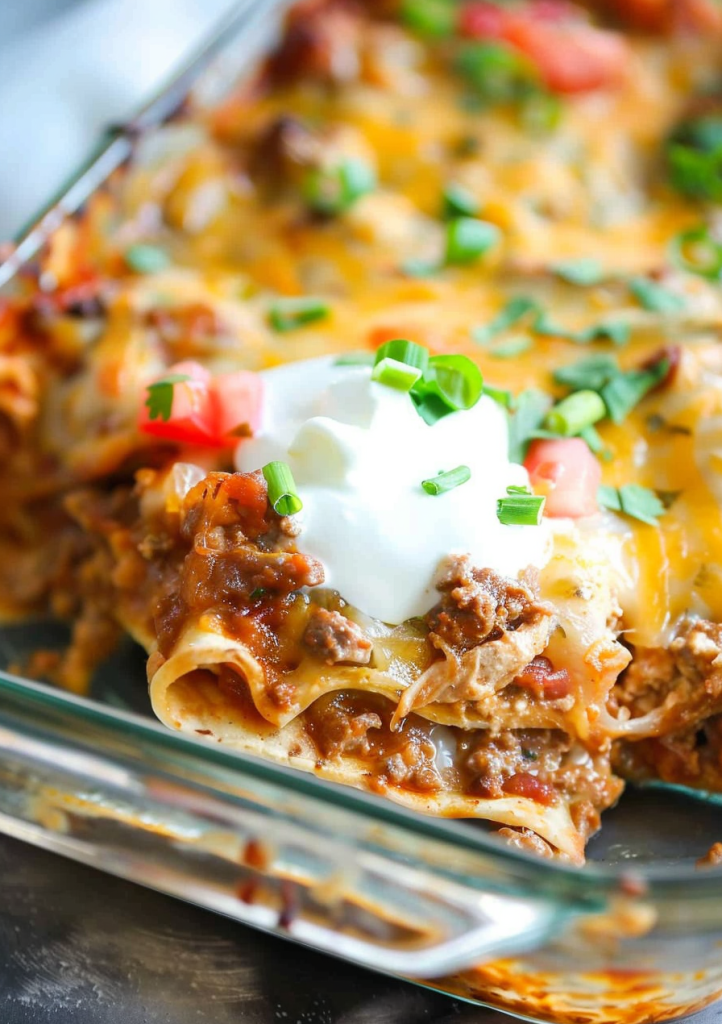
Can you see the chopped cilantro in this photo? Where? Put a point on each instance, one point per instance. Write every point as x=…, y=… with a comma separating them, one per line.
x=624, y=391
x=160, y=396
x=531, y=409
x=589, y=374
x=512, y=347
x=655, y=297
x=632, y=500
x=584, y=271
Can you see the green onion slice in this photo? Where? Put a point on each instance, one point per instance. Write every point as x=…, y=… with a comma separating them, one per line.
x=282, y=494
x=520, y=507
x=434, y=19
x=455, y=379
x=501, y=396
x=146, y=259
x=430, y=407
x=290, y=314
x=333, y=190
x=467, y=239
x=447, y=481
x=698, y=253
x=459, y=201
x=403, y=351
x=395, y=374
x=576, y=412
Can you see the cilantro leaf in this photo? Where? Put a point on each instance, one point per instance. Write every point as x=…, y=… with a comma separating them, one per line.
x=655, y=297
x=510, y=314
x=585, y=271
x=589, y=374
x=632, y=500
x=531, y=409
x=159, y=402
x=624, y=391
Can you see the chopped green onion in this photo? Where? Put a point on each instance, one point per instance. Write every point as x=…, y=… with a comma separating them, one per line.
x=531, y=409
x=576, y=412
x=354, y=359
x=430, y=407
x=584, y=271
x=500, y=395
x=459, y=201
x=655, y=297
x=434, y=19
x=403, y=351
x=512, y=347
x=455, y=379
x=159, y=402
x=333, y=190
x=520, y=508
x=146, y=259
x=697, y=252
x=290, y=314
x=467, y=239
x=624, y=391
x=496, y=73
x=514, y=310
x=541, y=110
x=633, y=501
x=282, y=494
x=395, y=374
x=591, y=373
x=447, y=481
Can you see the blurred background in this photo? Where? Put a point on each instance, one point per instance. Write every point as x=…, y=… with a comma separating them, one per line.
x=67, y=69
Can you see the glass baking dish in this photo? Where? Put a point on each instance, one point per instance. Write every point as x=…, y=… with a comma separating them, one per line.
x=635, y=936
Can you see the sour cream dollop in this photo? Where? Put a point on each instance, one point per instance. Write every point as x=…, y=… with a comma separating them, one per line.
x=358, y=451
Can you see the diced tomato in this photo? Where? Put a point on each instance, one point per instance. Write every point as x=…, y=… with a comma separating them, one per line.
x=571, y=55
x=567, y=473
x=207, y=410
x=239, y=396
x=482, y=21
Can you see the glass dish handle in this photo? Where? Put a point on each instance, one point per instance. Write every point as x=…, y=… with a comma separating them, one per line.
x=113, y=791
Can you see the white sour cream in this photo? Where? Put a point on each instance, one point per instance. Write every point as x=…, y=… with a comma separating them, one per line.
x=358, y=451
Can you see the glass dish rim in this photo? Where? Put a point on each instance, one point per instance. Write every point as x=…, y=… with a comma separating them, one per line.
x=110, y=153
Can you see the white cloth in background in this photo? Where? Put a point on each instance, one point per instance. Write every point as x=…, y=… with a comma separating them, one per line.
x=63, y=80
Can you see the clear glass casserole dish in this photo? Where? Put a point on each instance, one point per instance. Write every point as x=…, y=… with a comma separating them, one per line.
x=634, y=936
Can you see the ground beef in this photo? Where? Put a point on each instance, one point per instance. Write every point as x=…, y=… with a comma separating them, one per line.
x=686, y=678
x=239, y=545
x=478, y=605
x=345, y=733
x=336, y=638
x=321, y=40
x=690, y=757
x=282, y=152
